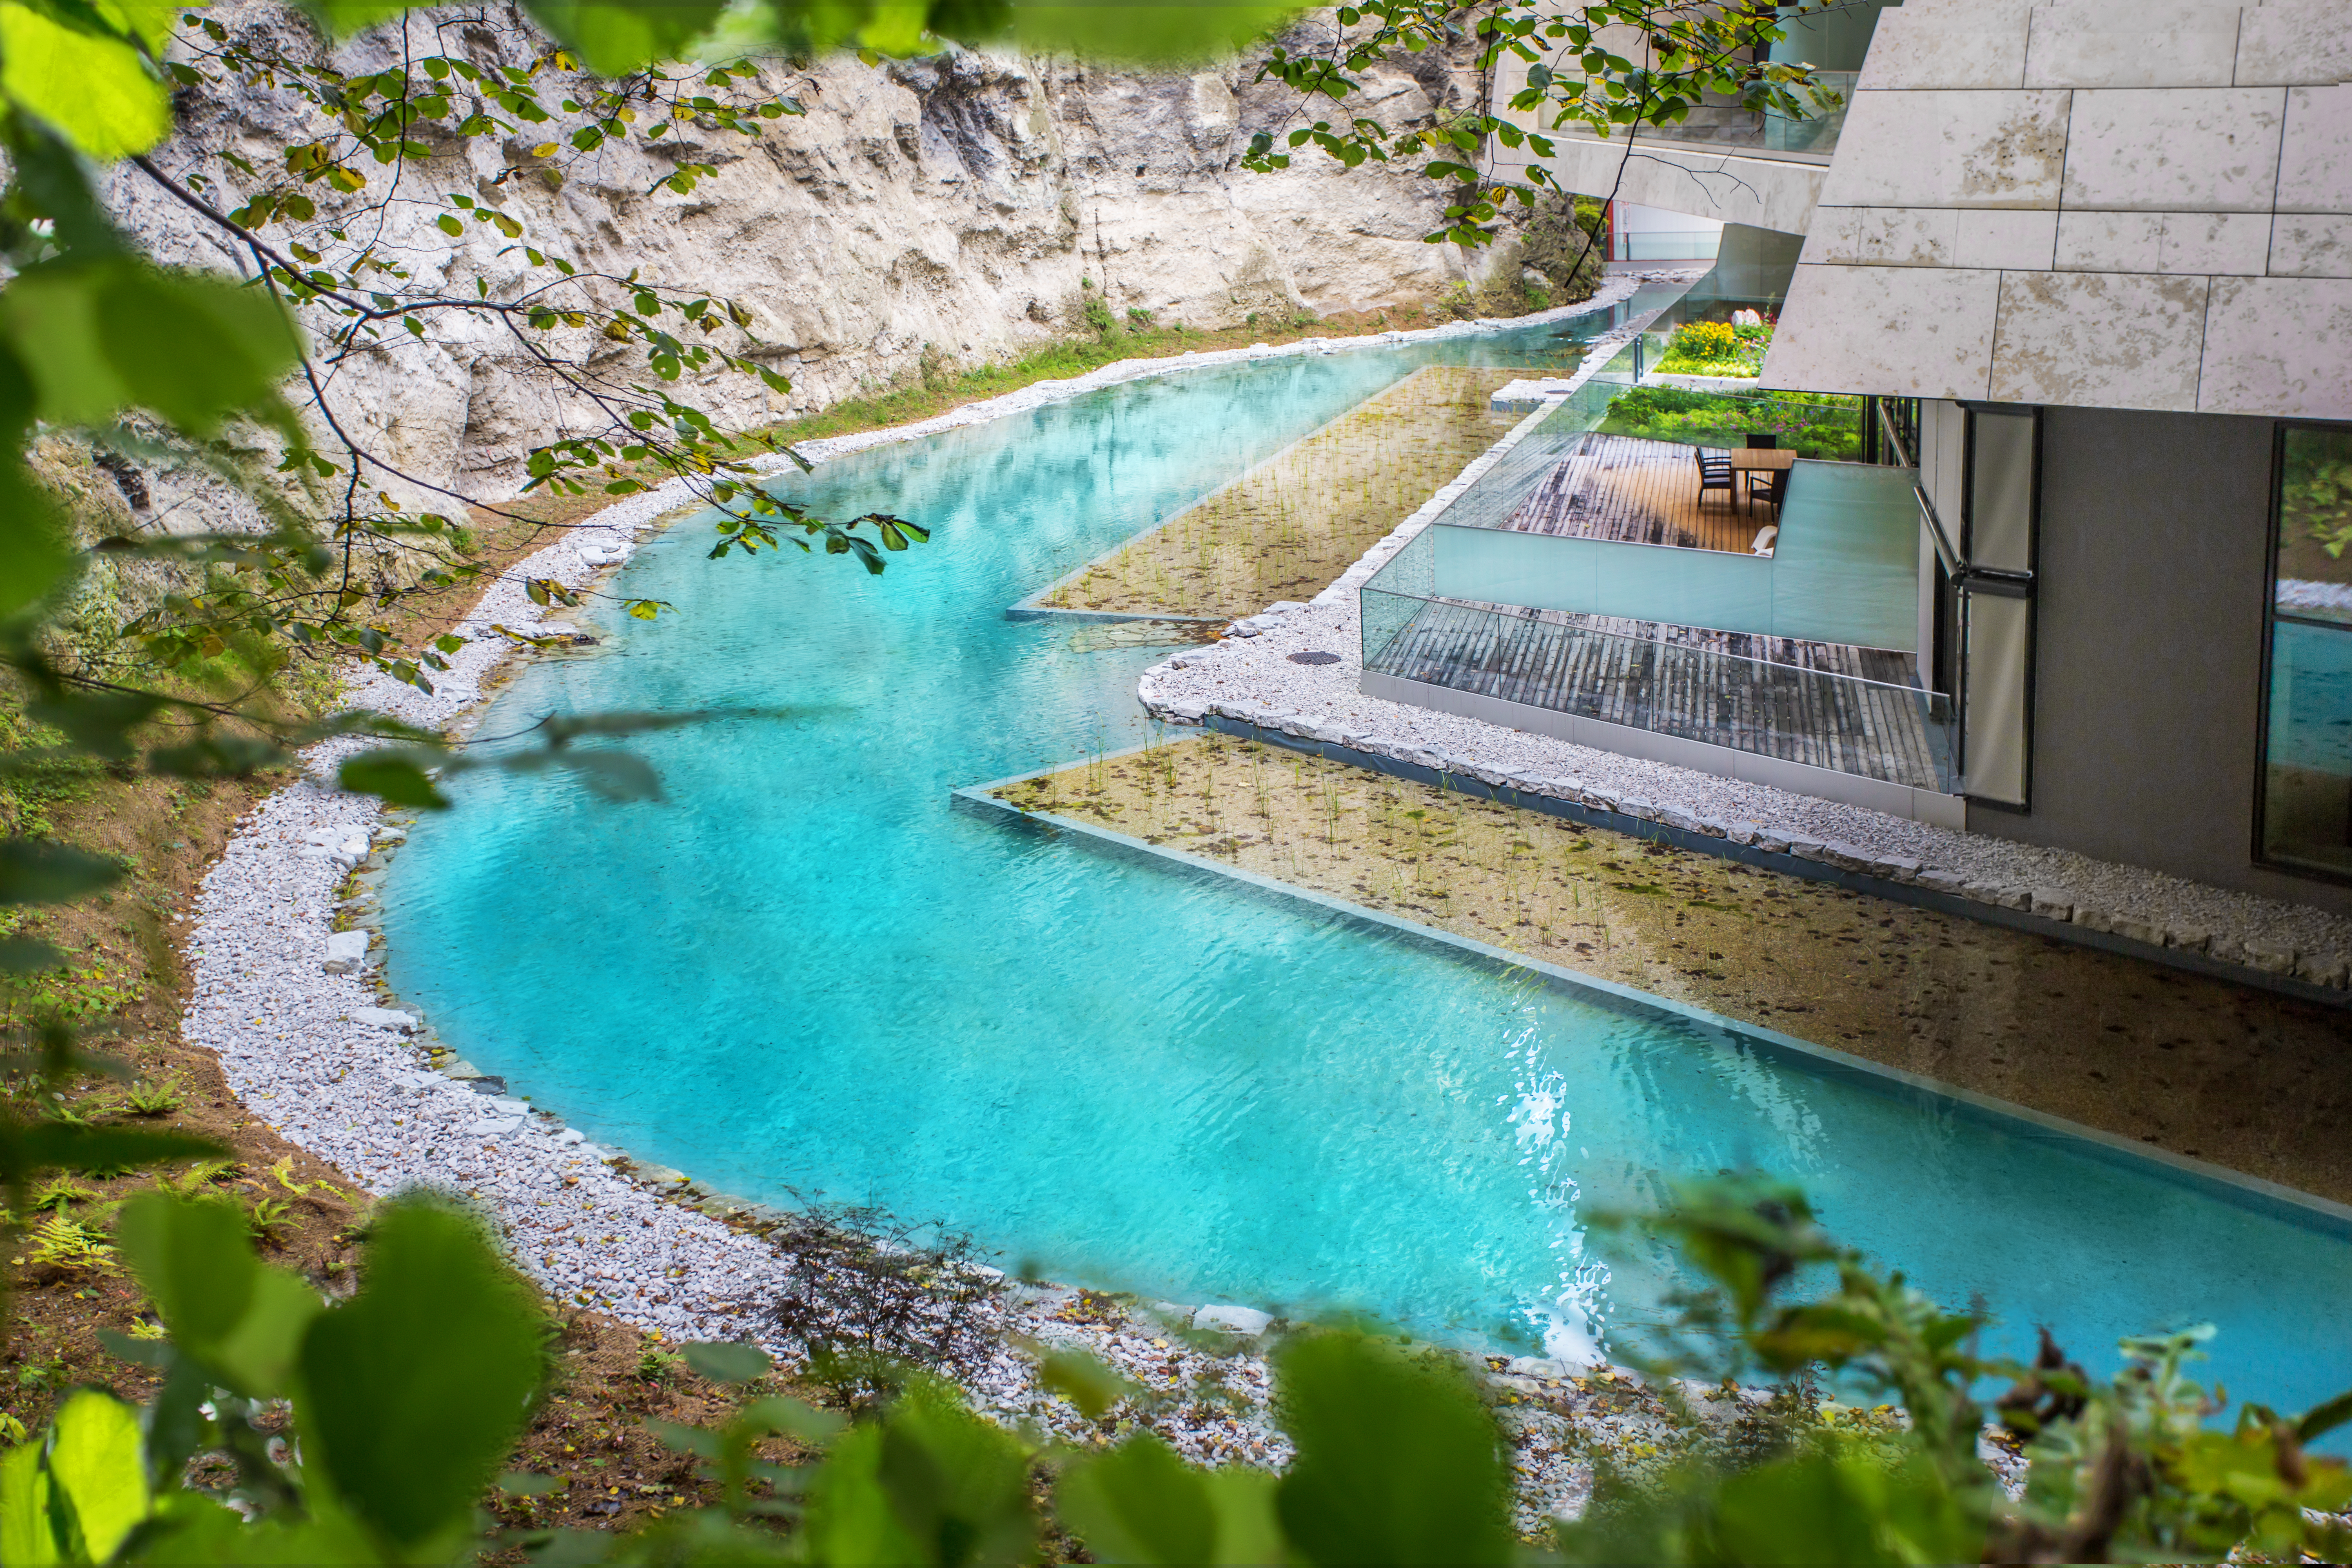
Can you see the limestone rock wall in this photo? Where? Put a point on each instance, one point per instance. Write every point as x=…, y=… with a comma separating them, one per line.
x=960, y=205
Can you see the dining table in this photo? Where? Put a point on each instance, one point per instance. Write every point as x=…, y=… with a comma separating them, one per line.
x=1759, y=460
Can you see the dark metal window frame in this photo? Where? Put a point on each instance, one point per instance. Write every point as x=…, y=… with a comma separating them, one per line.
x=2271, y=618
x=2007, y=584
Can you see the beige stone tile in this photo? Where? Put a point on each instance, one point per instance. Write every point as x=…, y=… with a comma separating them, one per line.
x=2316, y=162
x=1900, y=237
x=1894, y=331
x=1977, y=45
x=1937, y=149
x=2145, y=45
x=1829, y=241
x=2109, y=242
x=2215, y=244
x=2294, y=43
x=2311, y=245
x=1998, y=237
x=2099, y=339
x=2279, y=346
x=2200, y=150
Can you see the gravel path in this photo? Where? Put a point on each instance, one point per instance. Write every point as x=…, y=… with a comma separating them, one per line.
x=1250, y=676
x=291, y=1004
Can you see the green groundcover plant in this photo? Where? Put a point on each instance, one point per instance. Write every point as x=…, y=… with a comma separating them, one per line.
x=407, y=1398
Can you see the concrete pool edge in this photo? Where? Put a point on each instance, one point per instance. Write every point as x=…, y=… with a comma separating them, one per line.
x=2254, y=1193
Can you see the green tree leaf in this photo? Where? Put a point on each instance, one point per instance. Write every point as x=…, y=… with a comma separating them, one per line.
x=97, y=1464
x=396, y=776
x=92, y=88
x=27, y=1534
x=411, y=1393
x=106, y=334
x=726, y=1360
x=33, y=871
x=33, y=554
x=1398, y=1459
x=241, y=1319
x=618, y=35
x=1139, y=1503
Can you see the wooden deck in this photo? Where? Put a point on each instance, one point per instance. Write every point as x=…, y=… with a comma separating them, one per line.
x=1644, y=493
x=1685, y=682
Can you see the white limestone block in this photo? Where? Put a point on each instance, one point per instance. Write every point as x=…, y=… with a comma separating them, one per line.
x=2272, y=345
x=2292, y=42
x=2012, y=238
x=2146, y=43
x=1955, y=149
x=2311, y=245
x=2099, y=339
x=1981, y=47
x=2157, y=151
x=1904, y=331
x=346, y=952
x=1247, y=1322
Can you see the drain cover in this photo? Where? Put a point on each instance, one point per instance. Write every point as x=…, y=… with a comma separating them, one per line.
x=1313, y=659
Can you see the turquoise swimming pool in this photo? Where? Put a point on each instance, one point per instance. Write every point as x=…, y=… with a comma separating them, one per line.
x=807, y=975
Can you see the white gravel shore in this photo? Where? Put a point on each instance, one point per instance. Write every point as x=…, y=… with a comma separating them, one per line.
x=310, y=1047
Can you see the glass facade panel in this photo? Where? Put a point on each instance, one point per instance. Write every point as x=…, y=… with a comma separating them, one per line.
x=2308, y=771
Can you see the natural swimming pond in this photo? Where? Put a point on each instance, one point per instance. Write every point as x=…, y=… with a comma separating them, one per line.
x=807, y=974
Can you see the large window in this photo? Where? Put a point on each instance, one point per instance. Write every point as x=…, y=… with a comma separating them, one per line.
x=2306, y=805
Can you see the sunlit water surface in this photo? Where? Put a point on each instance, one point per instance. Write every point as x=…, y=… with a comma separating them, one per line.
x=805, y=976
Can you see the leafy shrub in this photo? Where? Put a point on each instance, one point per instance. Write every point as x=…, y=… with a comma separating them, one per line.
x=1137, y=316
x=407, y=1397
x=1097, y=317
x=1812, y=423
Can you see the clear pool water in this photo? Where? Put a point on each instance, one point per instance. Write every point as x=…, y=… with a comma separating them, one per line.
x=806, y=976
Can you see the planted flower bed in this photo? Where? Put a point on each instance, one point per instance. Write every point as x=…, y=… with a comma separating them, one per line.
x=1812, y=423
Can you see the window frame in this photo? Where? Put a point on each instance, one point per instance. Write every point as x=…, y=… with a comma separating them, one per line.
x=2271, y=617
x=2029, y=589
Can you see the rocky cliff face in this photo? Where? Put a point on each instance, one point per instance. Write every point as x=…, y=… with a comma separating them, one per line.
x=963, y=205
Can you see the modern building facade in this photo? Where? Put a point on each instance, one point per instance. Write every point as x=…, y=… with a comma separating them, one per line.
x=2100, y=255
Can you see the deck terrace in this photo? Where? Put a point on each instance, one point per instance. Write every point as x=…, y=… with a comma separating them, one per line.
x=1851, y=710
x=1642, y=492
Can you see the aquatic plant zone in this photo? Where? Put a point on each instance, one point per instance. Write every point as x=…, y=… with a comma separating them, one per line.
x=1291, y=525
x=2093, y=1246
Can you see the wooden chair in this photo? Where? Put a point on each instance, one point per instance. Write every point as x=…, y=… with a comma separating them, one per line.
x=1773, y=487
x=1713, y=473
x=1762, y=441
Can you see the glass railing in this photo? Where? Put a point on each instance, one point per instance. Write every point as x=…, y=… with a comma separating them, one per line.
x=1817, y=717
x=1818, y=130
x=1811, y=134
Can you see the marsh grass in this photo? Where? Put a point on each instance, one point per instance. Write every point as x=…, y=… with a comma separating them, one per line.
x=1289, y=526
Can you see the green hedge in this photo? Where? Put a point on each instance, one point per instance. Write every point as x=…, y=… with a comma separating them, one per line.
x=1812, y=423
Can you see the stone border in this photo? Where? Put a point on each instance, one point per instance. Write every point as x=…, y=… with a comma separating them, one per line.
x=2254, y=1192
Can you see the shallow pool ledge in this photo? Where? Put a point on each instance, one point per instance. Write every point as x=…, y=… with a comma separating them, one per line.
x=2249, y=1192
